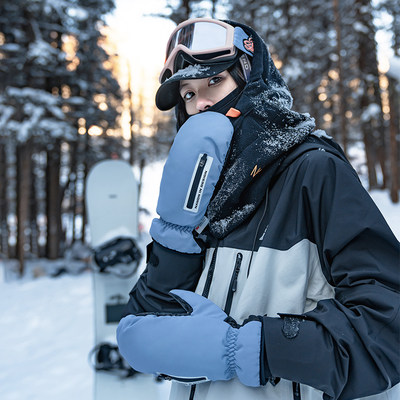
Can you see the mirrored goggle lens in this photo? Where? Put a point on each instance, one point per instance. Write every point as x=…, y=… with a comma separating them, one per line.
x=199, y=36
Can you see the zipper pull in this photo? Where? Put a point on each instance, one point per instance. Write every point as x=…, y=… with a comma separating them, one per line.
x=234, y=286
x=239, y=258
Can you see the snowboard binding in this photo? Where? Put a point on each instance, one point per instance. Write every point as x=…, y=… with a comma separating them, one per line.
x=120, y=256
x=106, y=357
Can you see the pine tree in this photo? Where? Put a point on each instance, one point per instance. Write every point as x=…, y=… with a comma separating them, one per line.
x=53, y=82
x=29, y=113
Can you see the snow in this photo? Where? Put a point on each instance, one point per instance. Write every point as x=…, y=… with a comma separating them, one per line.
x=359, y=27
x=390, y=211
x=35, y=95
x=192, y=71
x=321, y=134
x=293, y=70
x=36, y=105
x=80, y=14
x=42, y=52
x=371, y=112
x=46, y=332
x=46, y=326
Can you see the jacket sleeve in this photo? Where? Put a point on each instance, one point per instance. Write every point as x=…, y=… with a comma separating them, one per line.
x=347, y=347
x=165, y=270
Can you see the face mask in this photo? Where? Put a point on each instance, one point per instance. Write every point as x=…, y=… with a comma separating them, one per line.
x=227, y=102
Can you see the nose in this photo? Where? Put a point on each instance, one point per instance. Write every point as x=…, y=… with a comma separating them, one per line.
x=203, y=103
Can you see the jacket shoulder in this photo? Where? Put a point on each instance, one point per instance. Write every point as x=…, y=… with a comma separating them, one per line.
x=323, y=162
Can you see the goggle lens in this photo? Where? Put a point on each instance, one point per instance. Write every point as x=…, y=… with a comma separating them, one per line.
x=199, y=36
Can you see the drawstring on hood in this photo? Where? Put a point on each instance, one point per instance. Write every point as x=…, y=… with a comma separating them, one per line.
x=265, y=132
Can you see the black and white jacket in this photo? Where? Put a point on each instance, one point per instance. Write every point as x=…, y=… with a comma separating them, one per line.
x=314, y=259
x=328, y=290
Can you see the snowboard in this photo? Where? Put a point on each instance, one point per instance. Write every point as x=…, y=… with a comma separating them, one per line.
x=112, y=210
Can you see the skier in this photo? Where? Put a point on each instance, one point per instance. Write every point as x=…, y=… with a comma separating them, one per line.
x=271, y=274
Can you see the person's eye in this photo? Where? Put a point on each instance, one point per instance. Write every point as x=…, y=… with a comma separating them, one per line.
x=215, y=80
x=188, y=96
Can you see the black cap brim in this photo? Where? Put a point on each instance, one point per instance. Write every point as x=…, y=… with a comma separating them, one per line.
x=168, y=93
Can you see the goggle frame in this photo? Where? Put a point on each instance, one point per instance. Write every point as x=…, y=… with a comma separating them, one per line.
x=228, y=51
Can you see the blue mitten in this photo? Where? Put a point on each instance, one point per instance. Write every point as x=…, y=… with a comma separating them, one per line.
x=190, y=174
x=194, y=347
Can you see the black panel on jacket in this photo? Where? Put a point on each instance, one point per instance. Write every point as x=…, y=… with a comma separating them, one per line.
x=166, y=270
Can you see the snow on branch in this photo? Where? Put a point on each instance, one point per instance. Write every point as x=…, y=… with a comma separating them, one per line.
x=371, y=112
x=28, y=112
x=42, y=52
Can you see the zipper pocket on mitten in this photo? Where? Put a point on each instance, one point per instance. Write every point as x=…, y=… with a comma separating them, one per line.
x=233, y=284
x=198, y=182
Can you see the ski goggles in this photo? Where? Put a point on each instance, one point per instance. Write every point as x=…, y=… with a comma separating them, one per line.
x=204, y=40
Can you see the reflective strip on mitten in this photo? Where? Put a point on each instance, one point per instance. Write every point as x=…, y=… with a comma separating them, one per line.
x=192, y=347
x=190, y=174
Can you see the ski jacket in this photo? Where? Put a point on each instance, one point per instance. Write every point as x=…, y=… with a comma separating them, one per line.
x=313, y=259
x=328, y=291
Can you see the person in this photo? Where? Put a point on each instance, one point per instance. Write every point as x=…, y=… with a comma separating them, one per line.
x=271, y=273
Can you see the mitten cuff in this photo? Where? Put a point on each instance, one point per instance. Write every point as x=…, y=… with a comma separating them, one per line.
x=247, y=354
x=175, y=237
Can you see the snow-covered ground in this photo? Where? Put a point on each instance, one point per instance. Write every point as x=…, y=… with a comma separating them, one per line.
x=46, y=324
x=46, y=334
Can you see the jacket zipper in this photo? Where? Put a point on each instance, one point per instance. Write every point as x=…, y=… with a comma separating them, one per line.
x=296, y=391
x=206, y=291
x=210, y=273
x=233, y=284
x=192, y=392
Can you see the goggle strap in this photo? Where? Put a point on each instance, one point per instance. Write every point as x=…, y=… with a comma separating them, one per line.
x=246, y=66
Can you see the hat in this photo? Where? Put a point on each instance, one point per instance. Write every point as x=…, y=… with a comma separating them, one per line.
x=168, y=93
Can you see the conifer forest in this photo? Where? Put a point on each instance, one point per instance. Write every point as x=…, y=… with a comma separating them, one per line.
x=61, y=100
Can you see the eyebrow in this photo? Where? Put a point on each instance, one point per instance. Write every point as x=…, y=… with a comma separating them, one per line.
x=183, y=85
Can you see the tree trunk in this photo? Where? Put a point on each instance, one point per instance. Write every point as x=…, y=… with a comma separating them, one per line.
x=86, y=172
x=33, y=207
x=3, y=202
x=53, y=202
x=371, y=124
x=383, y=135
x=370, y=156
x=341, y=93
x=394, y=104
x=23, y=196
x=73, y=193
x=11, y=194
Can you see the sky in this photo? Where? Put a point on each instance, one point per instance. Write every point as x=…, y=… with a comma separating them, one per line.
x=141, y=37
